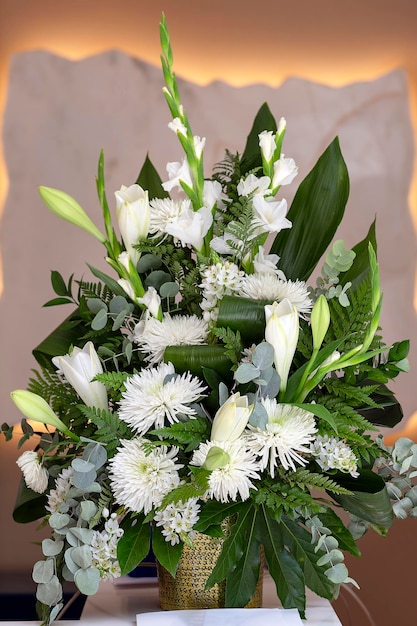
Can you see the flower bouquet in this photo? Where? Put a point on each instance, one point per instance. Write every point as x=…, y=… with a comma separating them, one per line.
x=208, y=381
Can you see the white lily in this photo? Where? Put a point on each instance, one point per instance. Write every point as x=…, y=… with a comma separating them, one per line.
x=133, y=217
x=231, y=419
x=281, y=331
x=79, y=368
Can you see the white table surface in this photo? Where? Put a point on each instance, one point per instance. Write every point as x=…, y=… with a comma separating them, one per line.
x=118, y=605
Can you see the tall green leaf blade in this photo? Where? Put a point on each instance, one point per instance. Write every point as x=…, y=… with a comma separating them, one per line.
x=251, y=157
x=315, y=213
x=241, y=582
x=149, y=179
x=283, y=567
x=369, y=499
x=133, y=546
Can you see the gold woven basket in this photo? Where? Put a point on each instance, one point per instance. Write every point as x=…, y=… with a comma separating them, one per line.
x=186, y=590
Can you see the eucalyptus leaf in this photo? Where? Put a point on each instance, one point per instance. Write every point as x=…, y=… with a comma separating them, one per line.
x=263, y=356
x=82, y=556
x=43, y=571
x=88, y=510
x=119, y=304
x=246, y=372
x=83, y=480
x=100, y=320
x=51, y=547
x=169, y=290
x=58, y=520
x=95, y=305
x=49, y=593
x=95, y=454
x=87, y=580
x=337, y=573
x=83, y=535
x=157, y=278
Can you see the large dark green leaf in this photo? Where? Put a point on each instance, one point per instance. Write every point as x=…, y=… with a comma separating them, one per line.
x=369, y=499
x=283, y=567
x=298, y=540
x=241, y=582
x=315, y=213
x=333, y=522
x=29, y=505
x=360, y=267
x=196, y=358
x=389, y=412
x=243, y=315
x=134, y=545
x=166, y=554
x=149, y=179
x=251, y=157
x=59, y=340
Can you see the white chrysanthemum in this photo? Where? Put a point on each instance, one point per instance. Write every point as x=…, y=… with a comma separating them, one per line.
x=57, y=496
x=177, y=520
x=221, y=279
x=104, y=550
x=158, y=394
x=333, y=453
x=165, y=211
x=35, y=475
x=286, y=437
x=140, y=480
x=265, y=286
x=233, y=479
x=154, y=336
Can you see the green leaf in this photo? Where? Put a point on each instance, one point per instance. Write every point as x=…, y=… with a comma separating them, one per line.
x=29, y=505
x=360, y=267
x=283, y=567
x=58, y=284
x=244, y=316
x=333, y=522
x=389, y=412
x=213, y=513
x=251, y=157
x=59, y=340
x=134, y=545
x=112, y=284
x=320, y=411
x=315, y=213
x=195, y=358
x=166, y=554
x=57, y=301
x=369, y=499
x=149, y=179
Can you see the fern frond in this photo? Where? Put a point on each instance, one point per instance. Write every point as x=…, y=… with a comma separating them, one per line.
x=189, y=433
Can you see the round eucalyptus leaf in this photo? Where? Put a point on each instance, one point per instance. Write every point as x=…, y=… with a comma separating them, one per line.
x=55, y=611
x=43, y=571
x=148, y=262
x=118, y=304
x=157, y=278
x=263, y=355
x=83, y=535
x=168, y=290
x=259, y=416
x=95, y=305
x=82, y=556
x=337, y=573
x=95, y=454
x=88, y=580
x=100, y=320
x=58, y=520
x=83, y=480
x=246, y=372
x=120, y=318
x=71, y=565
x=88, y=509
x=51, y=547
x=50, y=593
x=81, y=465
x=67, y=574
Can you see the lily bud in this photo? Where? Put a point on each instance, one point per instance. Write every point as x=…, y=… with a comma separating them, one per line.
x=320, y=320
x=231, y=419
x=62, y=205
x=36, y=408
x=133, y=217
x=79, y=368
x=215, y=459
x=281, y=331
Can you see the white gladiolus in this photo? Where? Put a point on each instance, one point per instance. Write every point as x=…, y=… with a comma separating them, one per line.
x=253, y=184
x=281, y=331
x=133, y=216
x=177, y=126
x=231, y=419
x=267, y=263
x=285, y=170
x=191, y=226
x=267, y=144
x=127, y=287
x=176, y=172
x=270, y=214
x=151, y=300
x=79, y=368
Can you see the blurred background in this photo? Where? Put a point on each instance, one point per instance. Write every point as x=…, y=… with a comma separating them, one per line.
x=82, y=75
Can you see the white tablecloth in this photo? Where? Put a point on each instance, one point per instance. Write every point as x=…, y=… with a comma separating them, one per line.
x=118, y=605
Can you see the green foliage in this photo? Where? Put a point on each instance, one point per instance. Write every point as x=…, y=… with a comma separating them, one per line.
x=110, y=429
x=186, y=435
x=232, y=343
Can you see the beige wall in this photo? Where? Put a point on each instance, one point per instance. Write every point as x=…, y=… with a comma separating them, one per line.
x=240, y=42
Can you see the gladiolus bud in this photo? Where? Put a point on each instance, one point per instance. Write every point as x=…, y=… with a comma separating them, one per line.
x=62, y=205
x=281, y=331
x=231, y=419
x=320, y=320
